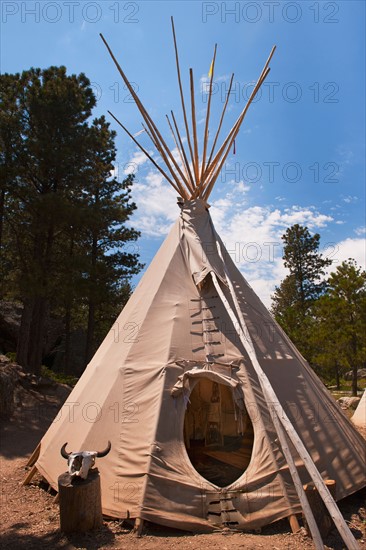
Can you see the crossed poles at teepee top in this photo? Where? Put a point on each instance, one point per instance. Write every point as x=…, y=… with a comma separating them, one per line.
x=192, y=179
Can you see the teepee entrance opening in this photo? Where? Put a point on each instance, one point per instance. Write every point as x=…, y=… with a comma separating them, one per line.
x=218, y=435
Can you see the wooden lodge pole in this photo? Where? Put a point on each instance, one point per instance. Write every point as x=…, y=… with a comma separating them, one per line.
x=138, y=528
x=34, y=456
x=181, y=93
x=28, y=478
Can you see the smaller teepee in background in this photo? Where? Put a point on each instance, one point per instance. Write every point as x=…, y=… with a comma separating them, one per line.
x=359, y=416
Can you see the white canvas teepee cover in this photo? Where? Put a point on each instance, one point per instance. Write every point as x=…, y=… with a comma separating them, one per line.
x=359, y=416
x=136, y=389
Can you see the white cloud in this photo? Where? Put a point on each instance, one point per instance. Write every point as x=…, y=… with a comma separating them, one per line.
x=205, y=82
x=138, y=159
x=345, y=154
x=350, y=199
x=345, y=159
x=157, y=208
x=346, y=249
x=305, y=216
x=252, y=235
x=360, y=230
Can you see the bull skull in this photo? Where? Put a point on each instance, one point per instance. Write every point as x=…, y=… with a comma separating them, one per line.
x=79, y=463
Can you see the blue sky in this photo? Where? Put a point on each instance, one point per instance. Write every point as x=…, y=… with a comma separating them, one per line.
x=300, y=154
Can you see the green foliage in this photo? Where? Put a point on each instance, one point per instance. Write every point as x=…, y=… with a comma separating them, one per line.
x=293, y=299
x=43, y=158
x=325, y=318
x=302, y=258
x=59, y=377
x=63, y=232
x=338, y=335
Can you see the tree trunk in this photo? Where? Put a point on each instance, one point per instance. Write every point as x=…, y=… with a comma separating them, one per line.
x=31, y=334
x=37, y=335
x=338, y=382
x=24, y=333
x=43, y=254
x=2, y=209
x=68, y=305
x=354, y=358
x=91, y=304
x=67, y=366
x=2, y=203
x=90, y=332
x=354, y=380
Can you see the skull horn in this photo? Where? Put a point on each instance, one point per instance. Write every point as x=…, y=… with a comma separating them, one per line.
x=105, y=452
x=63, y=451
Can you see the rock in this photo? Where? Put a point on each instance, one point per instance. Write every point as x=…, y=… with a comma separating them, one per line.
x=43, y=382
x=9, y=379
x=63, y=391
x=349, y=402
x=10, y=315
x=17, y=387
x=361, y=373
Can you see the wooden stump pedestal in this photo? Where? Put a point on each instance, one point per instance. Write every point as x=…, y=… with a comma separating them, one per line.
x=80, y=502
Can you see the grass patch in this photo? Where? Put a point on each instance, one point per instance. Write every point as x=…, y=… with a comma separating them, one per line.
x=59, y=377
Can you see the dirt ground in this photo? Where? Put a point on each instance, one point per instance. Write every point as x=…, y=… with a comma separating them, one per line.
x=30, y=518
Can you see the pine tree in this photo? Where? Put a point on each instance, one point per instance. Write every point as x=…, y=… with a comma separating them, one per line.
x=109, y=207
x=50, y=110
x=57, y=202
x=292, y=300
x=340, y=326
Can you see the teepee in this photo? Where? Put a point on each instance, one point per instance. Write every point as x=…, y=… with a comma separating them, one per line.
x=359, y=416
x=215, y=418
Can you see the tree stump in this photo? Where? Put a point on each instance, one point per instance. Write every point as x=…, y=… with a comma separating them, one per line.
x=320, y=511
x=80, y=502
